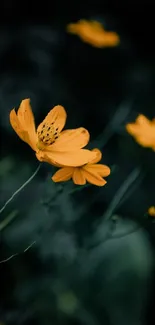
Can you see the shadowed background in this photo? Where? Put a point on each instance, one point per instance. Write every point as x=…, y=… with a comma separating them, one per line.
x=90, y=250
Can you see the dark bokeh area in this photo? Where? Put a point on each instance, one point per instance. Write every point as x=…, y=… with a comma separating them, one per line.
x=82, y=255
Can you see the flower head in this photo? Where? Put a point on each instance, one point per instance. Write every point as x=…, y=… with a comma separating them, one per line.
x=93, y=32
x=143, y=130
x=90, y=172
x=151, y=211
x=50, y=143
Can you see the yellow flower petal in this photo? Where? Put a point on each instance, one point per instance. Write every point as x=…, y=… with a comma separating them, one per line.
x=142, y=120
x=100, y=169
x=93, y=32
x=71, y=140
x=78, y=177
x=19, y=129
x=17, y=126
x=143, y=130
x=98, y=156
x=26, y=120
x=56, y=119
x=93, y=178
x=70, y=158
x=72, y=28
x=96, y=25
x=63, y=174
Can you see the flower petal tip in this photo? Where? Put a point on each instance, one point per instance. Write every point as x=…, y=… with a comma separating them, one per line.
x=130, y=128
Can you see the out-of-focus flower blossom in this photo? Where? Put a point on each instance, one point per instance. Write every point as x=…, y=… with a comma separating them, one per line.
x=93, y=33
x=143, y=130
x=151, y=211
x=91, y=172
x=50, y=143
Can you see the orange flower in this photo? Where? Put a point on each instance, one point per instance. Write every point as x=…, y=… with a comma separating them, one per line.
x=151, y=211
x=93, y=32
x=91, y=172
x=50, y=144
x=143, y=130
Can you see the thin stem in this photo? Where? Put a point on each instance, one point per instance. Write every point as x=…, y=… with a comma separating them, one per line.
x=121, y=192
x=16, y=254
x=8, y=219
x=20, y=189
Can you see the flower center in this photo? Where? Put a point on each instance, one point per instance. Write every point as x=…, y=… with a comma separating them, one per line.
x=47, y=134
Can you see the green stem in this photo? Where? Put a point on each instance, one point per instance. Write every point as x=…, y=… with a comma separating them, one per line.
x=4, y=223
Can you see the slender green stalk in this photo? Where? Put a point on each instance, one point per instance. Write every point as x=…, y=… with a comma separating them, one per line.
x=20, y=189
x=121, y=192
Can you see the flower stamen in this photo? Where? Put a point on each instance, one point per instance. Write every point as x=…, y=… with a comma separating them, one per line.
x=47, y=134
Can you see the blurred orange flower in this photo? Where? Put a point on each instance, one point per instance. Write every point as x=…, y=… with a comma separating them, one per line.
x=90, y=172
x=143, y=130
x=93, y=32
x=50, y=143
x=151, y=211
